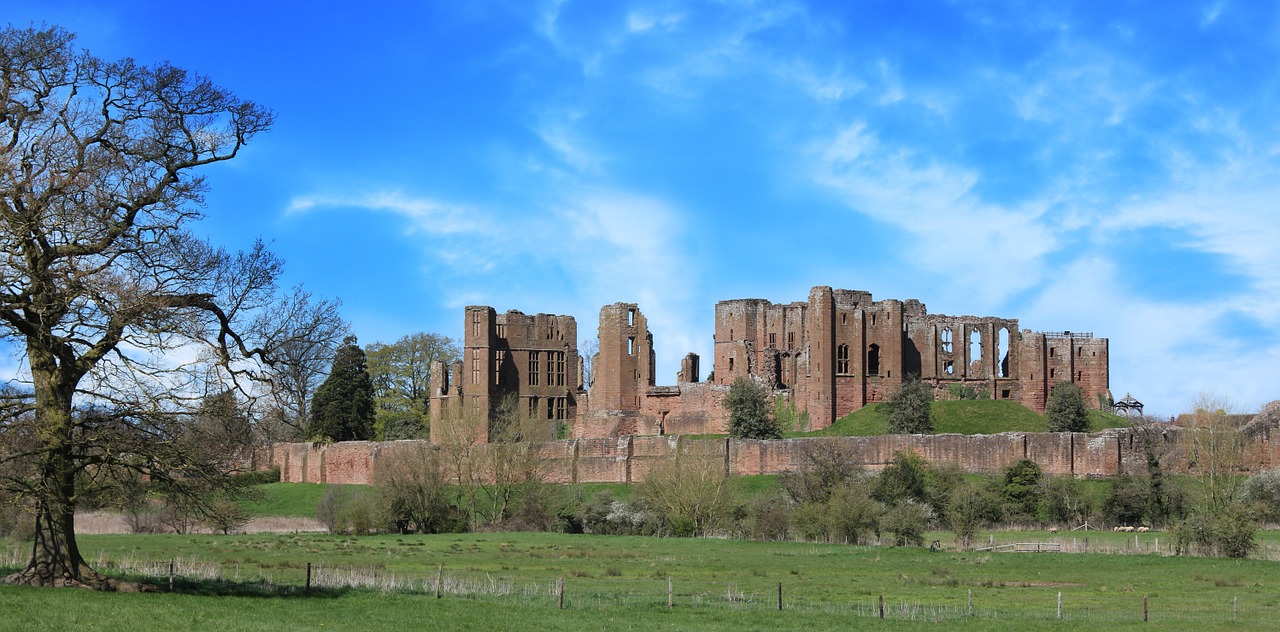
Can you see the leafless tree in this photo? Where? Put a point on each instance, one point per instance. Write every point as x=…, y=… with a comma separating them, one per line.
x=124, y=320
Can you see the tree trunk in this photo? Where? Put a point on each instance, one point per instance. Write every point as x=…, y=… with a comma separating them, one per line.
x=55, y=558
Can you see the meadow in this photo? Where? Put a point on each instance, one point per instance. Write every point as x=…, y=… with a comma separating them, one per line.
x=511, y=580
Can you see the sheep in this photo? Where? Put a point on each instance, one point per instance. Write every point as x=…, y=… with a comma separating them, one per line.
x=1143, y=529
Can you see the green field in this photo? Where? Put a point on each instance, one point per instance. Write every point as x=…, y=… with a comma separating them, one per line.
x=508, y=580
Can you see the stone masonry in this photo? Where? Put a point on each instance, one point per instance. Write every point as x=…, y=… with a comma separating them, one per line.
x=828, y=356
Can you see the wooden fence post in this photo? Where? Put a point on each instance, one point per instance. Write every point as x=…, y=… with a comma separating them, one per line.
x=439, y=581
x=970, y=603
x=670, y=593
x=560, y=593
x=308, y=588
x=1059, y=604
x=1144, y=608
x=170, y=575
x=779, y=596
x=881, y=606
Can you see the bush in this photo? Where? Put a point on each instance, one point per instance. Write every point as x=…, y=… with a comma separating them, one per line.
x=1065, y=409
x=962, y=391
x=257, y=477
x=768, y=517
x=910, y=408
x=905, y=478
x=1021, y=489
x=1262, y=492
x=347, y=510
x=969, y=508
x=690, y=494
x=822, y=467
x=415, y=495
x=225, y=516
x=1229, y=533
x=748, y=409
x=1127, y=500
x=907, y=521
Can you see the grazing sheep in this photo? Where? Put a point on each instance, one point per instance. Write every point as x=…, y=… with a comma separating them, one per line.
x=1143, y=529
x=1053, y=529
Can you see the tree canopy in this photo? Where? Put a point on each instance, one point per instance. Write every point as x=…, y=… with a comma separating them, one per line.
x=343, y=409
x=1065, y=409
x=401, y=374
x=124, y=320
x=748, y=407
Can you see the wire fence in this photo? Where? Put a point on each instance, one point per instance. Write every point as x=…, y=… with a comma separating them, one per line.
x=952, y=604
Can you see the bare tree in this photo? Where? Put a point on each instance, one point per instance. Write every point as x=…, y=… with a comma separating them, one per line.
x=308, y=332
x=106, y=293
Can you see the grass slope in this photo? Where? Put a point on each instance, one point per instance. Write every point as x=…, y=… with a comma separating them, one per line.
x=962, y=417
x=622, y=581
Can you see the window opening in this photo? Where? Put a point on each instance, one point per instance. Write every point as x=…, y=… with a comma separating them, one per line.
x=946, y=340
x=502, y=330
x=873, y=360
x=631, y=345
x=475, y=366
x=475, y=323
x=631, y=318
x=731, y=364
x=497, y=367
x=1002, y=351
x=975, y=347
x=842, y=359
x=534, y=368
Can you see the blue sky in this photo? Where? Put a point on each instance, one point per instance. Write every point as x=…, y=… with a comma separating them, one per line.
x=1109, y=167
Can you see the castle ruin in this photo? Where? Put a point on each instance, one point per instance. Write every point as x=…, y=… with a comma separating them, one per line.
x=829, y=356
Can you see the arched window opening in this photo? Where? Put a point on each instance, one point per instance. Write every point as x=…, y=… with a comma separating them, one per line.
x=842, y=360
x=873, y=360
x=1002, y=351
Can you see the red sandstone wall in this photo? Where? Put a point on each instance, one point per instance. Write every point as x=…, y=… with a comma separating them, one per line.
x=628, y=459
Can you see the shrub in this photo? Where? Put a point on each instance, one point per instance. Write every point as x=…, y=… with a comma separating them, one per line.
x=907, y=521
x=1262, y=491
x=1021, y=489
x=910, y=408
x=905, y=478
x=1065, y=409
x=748, y=409
x=969, y=508
x=1229, y=533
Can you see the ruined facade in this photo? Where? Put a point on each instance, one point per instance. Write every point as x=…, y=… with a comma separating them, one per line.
x=841, y=350
x=512, y=364
x=828, y=356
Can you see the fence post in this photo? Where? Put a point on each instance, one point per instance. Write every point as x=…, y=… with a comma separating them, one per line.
x=1235, y=601
x=779, y=596
x=308, y=588
x=1144, y=608
x=170, y=575
x=440, y=581
x=670, y=593
x=560, y=593
x=881, y=606
x=1059, y=604
x=970, y=603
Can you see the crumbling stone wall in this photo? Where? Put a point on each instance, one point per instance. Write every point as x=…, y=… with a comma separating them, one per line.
x=842, y=350
x=627, y=459
x=512, y=358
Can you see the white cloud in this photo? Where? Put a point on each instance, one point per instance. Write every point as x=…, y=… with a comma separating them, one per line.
x=933, y=203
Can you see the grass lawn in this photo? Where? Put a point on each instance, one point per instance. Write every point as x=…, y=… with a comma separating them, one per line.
x=507, y=581
x=961, y=417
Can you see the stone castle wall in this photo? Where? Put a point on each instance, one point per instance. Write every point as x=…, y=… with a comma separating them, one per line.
x=627, y=459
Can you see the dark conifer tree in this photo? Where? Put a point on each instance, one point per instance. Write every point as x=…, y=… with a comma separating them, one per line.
x=342, y=409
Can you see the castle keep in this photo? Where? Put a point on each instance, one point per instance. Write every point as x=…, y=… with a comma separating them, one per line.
x=829, y=356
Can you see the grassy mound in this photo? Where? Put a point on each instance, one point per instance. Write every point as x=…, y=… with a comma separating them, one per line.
x=962, y=417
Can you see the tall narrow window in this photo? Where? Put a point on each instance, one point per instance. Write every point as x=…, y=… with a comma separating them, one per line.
x=946, y=340
x=475, y=323
x=475, y=366
x=502, y=330
x=498, y=357
x=842, y=360
x=560, y=408
x=559, y=357
x=631, y=318
x=873, y=360
x=730, y=364
x=534, y=368
x=631, y=345
x=773, y=340
x=791, y=340
x=533, y=408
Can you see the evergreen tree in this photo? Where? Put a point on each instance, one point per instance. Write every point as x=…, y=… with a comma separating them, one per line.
x=342, y=409
x=749, y=411
x=1065, y=409
x=910, y=408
